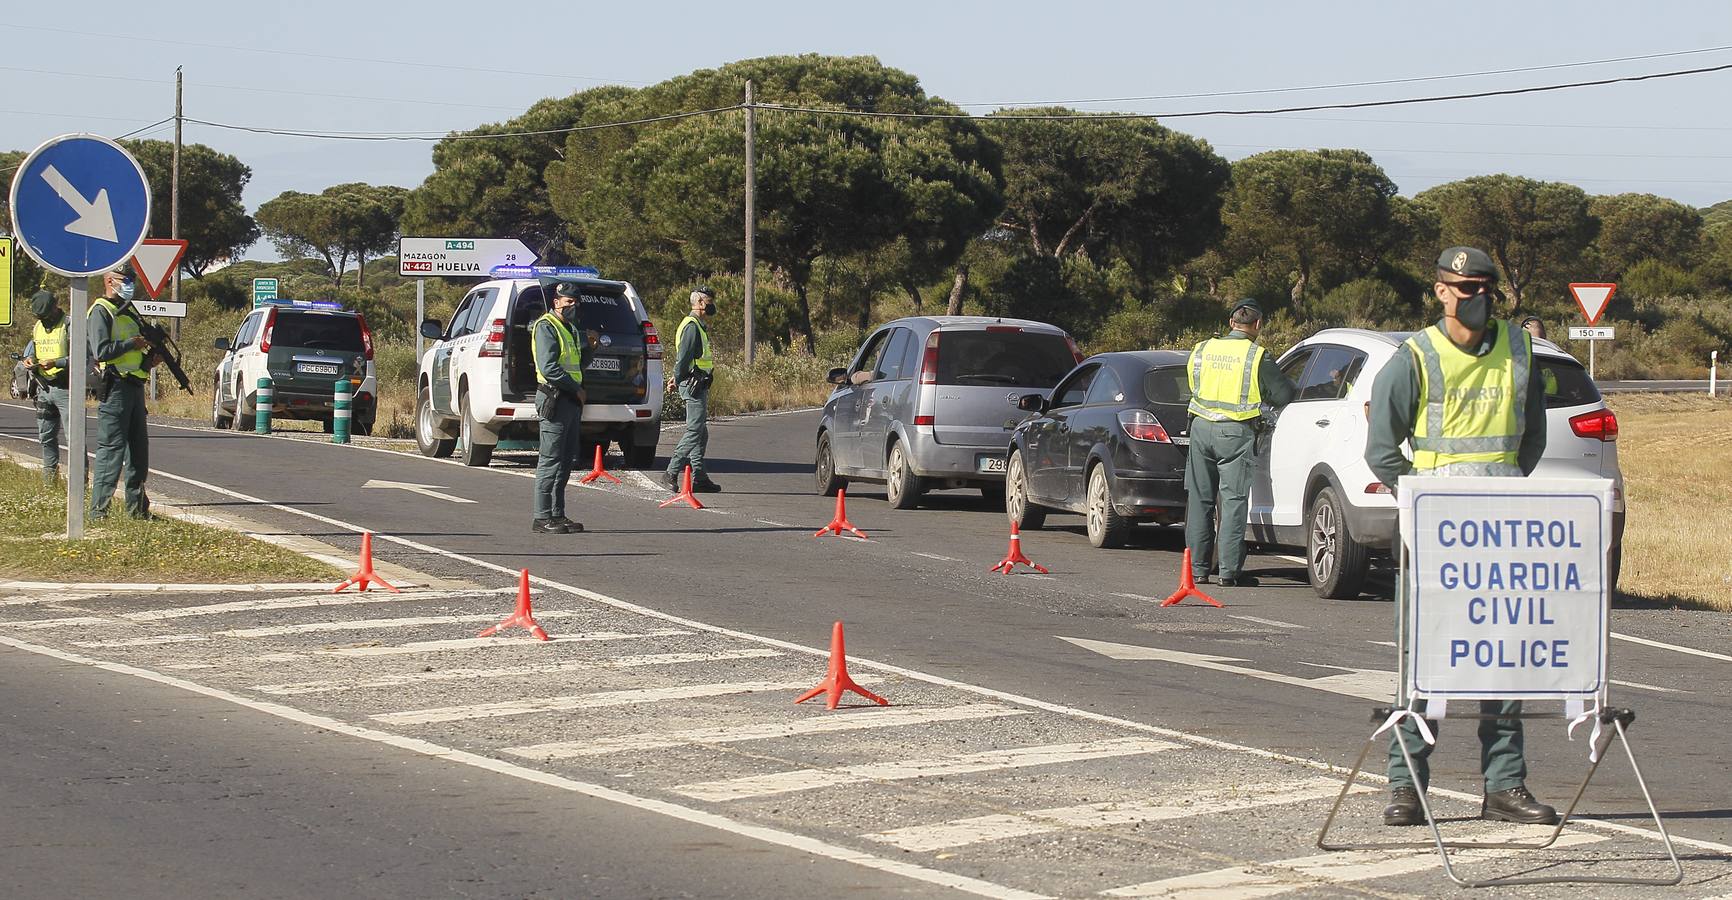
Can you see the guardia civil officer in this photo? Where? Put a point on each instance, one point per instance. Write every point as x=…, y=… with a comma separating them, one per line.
x=123, y=363
x=559, y=399
x=1432, y=394
x=47, y=355
x=694, y=371
x=1231, y=378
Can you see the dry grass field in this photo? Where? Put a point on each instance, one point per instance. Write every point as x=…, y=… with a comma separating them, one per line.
x=1676, y=454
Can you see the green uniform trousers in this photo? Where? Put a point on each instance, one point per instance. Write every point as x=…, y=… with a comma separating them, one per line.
x=1222, y=459
x=1501, y=757
x=690, y=449
x=53, y=417
x=559, y=452
x=121, y=441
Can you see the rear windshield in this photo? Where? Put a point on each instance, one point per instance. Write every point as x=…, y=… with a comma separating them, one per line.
x=598, y=310
x=322, y=331
x=1033, y=359
x=1167, y=384
x=1567, y=383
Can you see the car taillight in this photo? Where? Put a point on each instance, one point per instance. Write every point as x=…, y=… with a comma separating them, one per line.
x=265, y=335
x=652, y=340
x=494, y=345
x=1074, y=352
x=929, y=361
x=1600, y=424
x=1377, y=487
x=925, y=420
x=1142, y=425
x=366, y=336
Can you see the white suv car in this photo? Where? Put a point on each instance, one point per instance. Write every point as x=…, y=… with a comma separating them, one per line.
x=1314, y=490
x=476, y=385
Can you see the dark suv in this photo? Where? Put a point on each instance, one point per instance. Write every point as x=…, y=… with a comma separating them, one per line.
x=306, y=347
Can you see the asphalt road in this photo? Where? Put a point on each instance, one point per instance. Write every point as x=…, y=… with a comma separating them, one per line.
x=1250, y=694
x=1655, y=386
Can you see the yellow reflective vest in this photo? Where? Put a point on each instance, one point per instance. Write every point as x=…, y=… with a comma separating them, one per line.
x=51, y=344
x=1472, y=408
x=123, y=329
x=1223, y=375
x=703, y=362
x=570, y=355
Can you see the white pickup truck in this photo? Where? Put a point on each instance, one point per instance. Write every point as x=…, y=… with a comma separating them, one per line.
x=476, y=384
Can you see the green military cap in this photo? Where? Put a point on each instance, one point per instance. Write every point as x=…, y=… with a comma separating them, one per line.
x=1467, y=262
x=41, y=303
x=568, y=289
x=1249, y=304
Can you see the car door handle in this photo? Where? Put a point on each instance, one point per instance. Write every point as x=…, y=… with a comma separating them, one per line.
x=1321, y=423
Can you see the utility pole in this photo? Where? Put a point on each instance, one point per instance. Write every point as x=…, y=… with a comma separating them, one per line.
x=751, y=223
x=174, y=200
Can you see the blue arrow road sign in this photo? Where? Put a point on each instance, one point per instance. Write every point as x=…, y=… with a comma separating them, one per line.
x=80, y=205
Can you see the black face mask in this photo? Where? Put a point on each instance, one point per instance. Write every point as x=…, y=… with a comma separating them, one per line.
x=568, y=313
x=1474, y=312
x=709, y=308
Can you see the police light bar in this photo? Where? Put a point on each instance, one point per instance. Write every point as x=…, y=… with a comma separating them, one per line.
x=304, y=304
x=542, y=271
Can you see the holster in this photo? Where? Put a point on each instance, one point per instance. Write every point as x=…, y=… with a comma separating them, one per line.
x=546, y=400
x=105, y=385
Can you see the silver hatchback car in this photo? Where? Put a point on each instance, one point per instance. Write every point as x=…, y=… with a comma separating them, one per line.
x=930, y=402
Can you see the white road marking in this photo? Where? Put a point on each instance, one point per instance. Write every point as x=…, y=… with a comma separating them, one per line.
x=377, y=624
x=1140, y=597
x=989, y=761
x=598, y=700
x=775, y=524
x=1274, y=622
x=937, y=557
x=1291, y=558
x=213, y=609
x=768, y=835
x=476, y=643
x=1369, y=684
x=979, y=829
x=51, y=598
x=144, y=642
x=67, y=622
x=1673, y=647
x=861, y=662
x=425, y=490
x=1284, y=876
x=97, y=589
x=622, y=662
x=1648, y=687
x=873, y=717
x=1382, y=643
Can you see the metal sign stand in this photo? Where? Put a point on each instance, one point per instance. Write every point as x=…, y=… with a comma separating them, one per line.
x=1619, y=720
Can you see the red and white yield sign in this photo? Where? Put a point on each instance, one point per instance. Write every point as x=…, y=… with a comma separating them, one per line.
x=1593, y=297
x=155, y=260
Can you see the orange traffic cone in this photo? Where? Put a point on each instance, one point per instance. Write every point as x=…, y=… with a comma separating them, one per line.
x=522, y=617
x=836, y=681
x=365, y=575
x=840, y=523
x=685, y=495
x=1188, y=586
x=598, y=472
x=1014, y=555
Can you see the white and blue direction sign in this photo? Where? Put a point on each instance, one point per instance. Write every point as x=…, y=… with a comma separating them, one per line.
x=1507, y=586
x=80, y=205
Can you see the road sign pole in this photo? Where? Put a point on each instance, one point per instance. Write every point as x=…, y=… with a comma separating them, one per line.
x=420, y=314
x=751, y=225
x=77, y=364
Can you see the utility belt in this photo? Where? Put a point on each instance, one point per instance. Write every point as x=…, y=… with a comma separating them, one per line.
x=699, y=381
x=547, y=398
x=109, y=377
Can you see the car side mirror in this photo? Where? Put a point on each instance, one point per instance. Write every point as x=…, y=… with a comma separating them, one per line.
x=1031, y=403
x=432, y=330
x=221, y=344
x=837, y=376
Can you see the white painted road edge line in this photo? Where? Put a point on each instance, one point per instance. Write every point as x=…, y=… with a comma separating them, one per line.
x=1673, y=647
x=862, y=662
x=1277, y=623
x=768, y=835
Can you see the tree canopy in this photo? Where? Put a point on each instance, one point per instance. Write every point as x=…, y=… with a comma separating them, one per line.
x=344, y=221
x=1534, y=230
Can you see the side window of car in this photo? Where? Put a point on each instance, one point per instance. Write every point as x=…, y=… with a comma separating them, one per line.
x=473, y=308
x=895, y=362
x=249, y=327
x=868, y=359
x=1073, y=390
x=459, y=317
x=1105, y=389
x=1294, y=366
x=1330, y=374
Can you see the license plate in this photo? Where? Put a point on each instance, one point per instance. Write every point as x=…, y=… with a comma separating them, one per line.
x=604, y=364
x=988, y=463
x=315, y=369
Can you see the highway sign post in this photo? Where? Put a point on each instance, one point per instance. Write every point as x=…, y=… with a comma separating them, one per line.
x=1592, y=297
x=5, y=281
x=454, y=257
x=80, y=207
x=264, y=289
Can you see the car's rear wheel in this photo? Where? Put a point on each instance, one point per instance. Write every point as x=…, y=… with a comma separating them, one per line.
x=1334, y=559
x=824, y=469
x=473, y=454
x=426, y=438
x=1107, y=529
x=246, y=409
x=1022, y=511
x=217, y=419
x=901, y=486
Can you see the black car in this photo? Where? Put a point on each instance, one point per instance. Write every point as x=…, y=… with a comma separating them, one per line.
x=1109, y=443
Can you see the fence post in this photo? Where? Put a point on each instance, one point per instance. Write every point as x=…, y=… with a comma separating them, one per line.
x=341, y=407
x=262, y=412
x=1713, y=370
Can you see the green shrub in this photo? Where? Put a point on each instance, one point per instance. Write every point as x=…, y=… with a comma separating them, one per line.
x=1653, y=278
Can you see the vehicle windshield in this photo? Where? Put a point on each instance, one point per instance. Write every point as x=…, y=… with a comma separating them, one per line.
x=321, y=331
x=1167, y=384
x=598, y=309
x=1014, y=358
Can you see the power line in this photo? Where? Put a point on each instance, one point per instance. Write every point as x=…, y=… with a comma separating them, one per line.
x=1353, y=84
x=452, y=136
x=256, y=90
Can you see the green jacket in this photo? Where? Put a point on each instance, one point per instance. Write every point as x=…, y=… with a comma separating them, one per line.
x=547, y=357
x=1395, y=406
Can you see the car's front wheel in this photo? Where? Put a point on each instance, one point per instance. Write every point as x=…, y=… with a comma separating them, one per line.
x=1022, y=511
x=1106, y=527
x=901, y=486
x=824, y=469
x=1334, y=559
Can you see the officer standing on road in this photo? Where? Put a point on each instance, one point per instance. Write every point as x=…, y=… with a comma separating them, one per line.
x=559, y=399
x=1231, y=378
x=1433, y=394
x=123, y=361
x=47, y=354
x=694, y=371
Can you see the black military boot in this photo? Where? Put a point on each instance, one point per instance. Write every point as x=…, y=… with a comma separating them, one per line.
x=1403, y=808
x=1517, y=805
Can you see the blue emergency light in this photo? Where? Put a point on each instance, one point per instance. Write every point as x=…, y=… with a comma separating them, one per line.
x=303, y=304
x=543, y=271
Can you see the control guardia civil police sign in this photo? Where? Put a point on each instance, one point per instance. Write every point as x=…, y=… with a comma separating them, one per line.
x=80, y=205
x=1507, y=586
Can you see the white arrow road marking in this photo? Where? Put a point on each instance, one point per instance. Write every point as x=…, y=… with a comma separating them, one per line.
x=1370, y=684
x=95, y=217
x=425, y=490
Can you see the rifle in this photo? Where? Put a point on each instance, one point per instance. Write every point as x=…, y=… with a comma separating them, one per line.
x=164, y=349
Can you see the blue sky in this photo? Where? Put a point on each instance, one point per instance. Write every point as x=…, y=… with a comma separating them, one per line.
x=108, y=67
